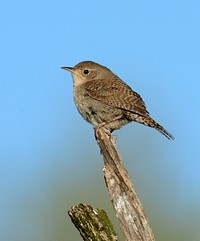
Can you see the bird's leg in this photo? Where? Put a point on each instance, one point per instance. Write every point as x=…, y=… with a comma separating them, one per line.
x=103, y=124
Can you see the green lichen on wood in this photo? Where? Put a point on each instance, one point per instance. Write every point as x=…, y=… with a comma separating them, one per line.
x=107, y=223
x=93, y=224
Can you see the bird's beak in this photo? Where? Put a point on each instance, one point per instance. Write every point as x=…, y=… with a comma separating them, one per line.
x=72, y=70
x=68, y=69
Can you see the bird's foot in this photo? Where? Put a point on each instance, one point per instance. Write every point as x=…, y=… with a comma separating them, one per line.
x=101, y=126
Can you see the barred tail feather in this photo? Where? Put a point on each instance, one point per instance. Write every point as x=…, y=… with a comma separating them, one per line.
x=150, y=122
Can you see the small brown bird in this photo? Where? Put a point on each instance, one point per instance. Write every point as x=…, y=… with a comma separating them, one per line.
x=104, y=100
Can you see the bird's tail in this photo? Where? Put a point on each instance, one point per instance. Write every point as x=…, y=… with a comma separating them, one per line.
x=152, y=123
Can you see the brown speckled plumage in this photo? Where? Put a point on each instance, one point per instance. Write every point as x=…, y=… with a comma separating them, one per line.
x=103, y=99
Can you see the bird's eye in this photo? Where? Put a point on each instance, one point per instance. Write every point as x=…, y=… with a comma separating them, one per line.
x=86, y=71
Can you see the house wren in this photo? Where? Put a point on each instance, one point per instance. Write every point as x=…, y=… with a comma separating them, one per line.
x=104, y=100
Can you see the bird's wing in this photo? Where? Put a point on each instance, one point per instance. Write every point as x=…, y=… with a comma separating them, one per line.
x=116, y=93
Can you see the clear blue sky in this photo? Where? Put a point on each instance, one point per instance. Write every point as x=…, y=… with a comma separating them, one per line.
x=49, y=160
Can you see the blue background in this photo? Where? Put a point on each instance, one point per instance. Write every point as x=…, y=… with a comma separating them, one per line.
x=49, y=159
